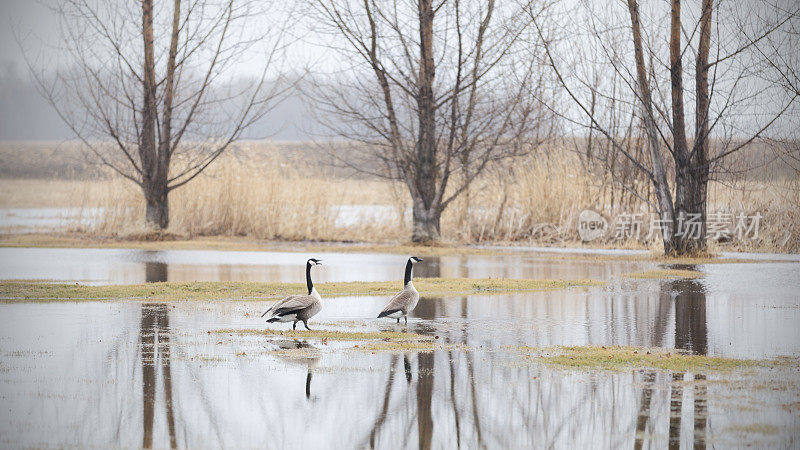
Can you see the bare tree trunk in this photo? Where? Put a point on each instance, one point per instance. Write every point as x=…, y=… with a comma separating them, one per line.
x=692, y=168
x=426, y=212
x=690, y=182
x=659, y=176
x=156, y=190
x=700, y=151
x=156, y=206
x=154, y=179
x=426, y=222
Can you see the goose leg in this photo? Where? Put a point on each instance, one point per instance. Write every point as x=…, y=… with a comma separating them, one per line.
x=294, y=326
x=306, y=324
x=406, y=317
x=398, y=320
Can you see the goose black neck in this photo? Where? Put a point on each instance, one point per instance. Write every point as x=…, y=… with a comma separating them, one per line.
x=308, y=278
x=407, y=279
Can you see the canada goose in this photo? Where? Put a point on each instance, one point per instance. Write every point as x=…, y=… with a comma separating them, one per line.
x=406, y=300
x=298, y=308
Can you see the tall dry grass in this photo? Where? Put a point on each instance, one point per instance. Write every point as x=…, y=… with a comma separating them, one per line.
x=51, y=193
x=264, y=199
x=534, y=201
x=778, y=202
x=538, y=200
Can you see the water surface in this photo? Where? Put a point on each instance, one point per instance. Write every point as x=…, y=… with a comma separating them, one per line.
x=128, y=266
x=136, y=374
x=132, y=374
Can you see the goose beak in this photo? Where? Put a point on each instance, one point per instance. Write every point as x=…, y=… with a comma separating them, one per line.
x=319, y=262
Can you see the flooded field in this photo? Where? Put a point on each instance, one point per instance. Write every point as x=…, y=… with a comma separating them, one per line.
x=201, y=374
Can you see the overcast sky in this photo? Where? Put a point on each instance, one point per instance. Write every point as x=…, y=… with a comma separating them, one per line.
x=24, y=114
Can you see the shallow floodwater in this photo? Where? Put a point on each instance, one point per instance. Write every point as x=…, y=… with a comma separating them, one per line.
x=125, y=266
x=132, y=374
x=30, y=220
x=136, y=374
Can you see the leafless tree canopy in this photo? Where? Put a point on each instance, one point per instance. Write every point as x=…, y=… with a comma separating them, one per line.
x=645, y=53
x=433, y=93
x=148, y=89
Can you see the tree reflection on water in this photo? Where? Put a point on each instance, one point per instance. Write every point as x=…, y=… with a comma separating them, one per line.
x=691, y=333
x=155, y=353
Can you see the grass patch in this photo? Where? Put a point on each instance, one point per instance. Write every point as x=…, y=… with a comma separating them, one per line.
x=415, y=346
x=432, y=287
x=661, y=274
x=368, y=341
x=395, y=336
x=292, y=353
x=625, y=358
x=759, y=428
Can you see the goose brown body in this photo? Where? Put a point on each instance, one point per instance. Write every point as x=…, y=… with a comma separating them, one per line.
x=406, y=300
x=298, y=308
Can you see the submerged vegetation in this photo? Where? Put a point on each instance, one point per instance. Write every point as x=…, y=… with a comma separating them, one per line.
x=625, y=358
x=430, y=287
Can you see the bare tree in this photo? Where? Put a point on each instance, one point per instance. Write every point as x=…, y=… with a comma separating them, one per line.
x=436, y=93
x=147, y=87
x=783, y=55
x=727, y=90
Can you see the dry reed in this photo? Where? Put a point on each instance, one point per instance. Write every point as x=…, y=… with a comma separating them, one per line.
x=269, y=199
x=535, y=201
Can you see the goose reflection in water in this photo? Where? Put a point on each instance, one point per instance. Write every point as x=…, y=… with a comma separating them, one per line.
x=309, y=358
